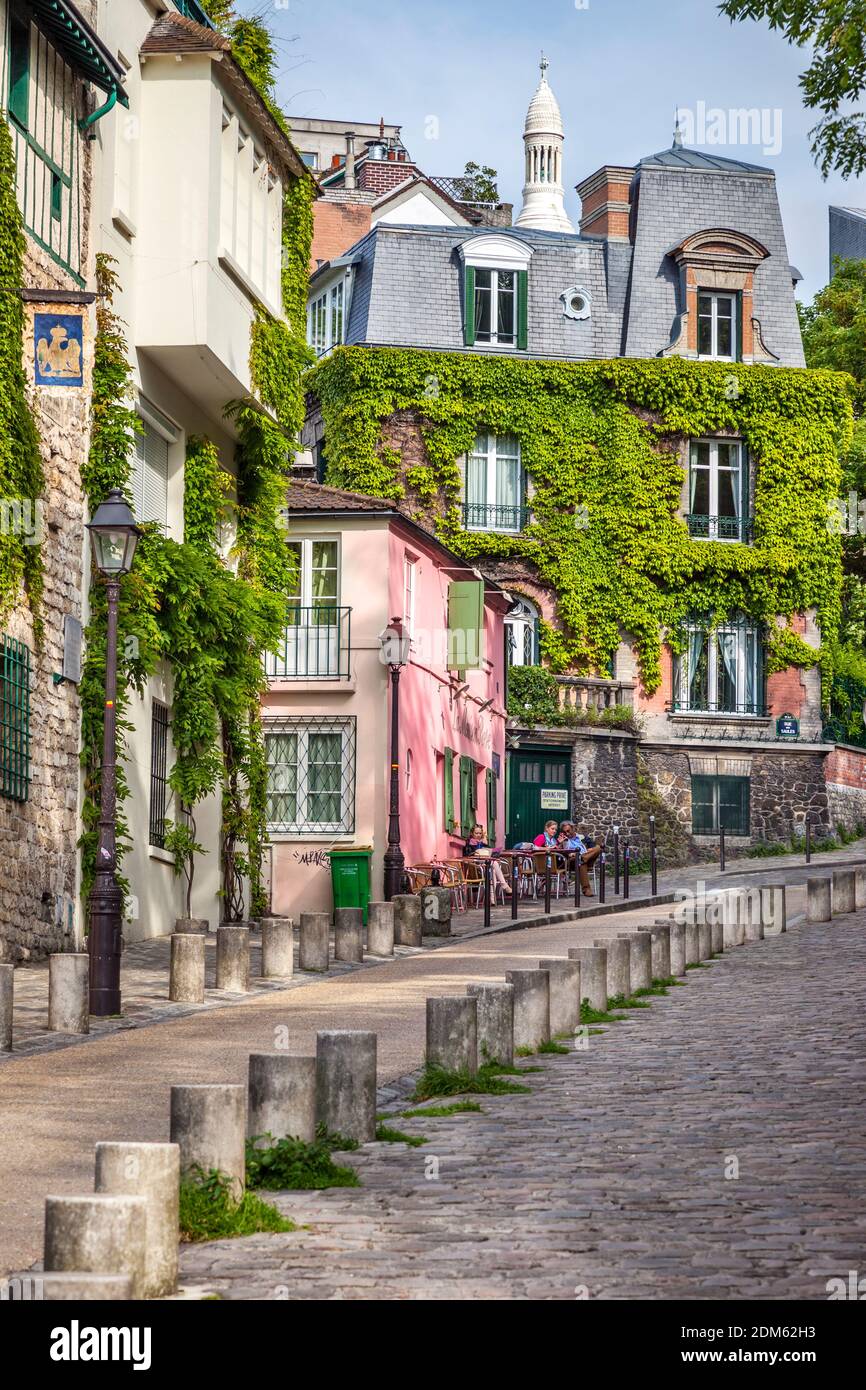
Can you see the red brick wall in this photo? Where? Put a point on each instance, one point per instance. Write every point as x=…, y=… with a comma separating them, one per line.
x=336, y=227
x=378, y=175
x=845, y=766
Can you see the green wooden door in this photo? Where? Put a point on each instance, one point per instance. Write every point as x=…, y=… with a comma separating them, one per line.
x=539, y=789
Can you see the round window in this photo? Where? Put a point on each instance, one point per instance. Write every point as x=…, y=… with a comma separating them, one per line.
x=576, y=302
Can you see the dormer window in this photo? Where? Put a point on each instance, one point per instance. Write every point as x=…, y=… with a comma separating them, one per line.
x=717, y=326
x=495, y=291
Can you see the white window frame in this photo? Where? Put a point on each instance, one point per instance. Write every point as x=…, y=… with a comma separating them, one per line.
x=164, y=429
x=521, y=621
x=493, y=338
x=714, y=468
x=303, y=728
x=326, y=318
x=493, y=454
x=715, y=296
x=306, y=543
x=745, y=634
x=410, y=587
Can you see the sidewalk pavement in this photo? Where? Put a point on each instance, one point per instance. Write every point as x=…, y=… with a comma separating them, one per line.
x=145, y=965
x=56, y=1106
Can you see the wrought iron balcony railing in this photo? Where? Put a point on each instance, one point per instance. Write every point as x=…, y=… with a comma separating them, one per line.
x=316, y=645
x=756, y=708
x=720, y=528
x=477, y=516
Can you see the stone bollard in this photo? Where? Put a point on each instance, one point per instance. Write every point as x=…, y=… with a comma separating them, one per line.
x=186, y=971
x=819, y=900
x=151, y=1171
x=749, y=914
x=531, y=1007
x=7, y=989
x=208, y=1125
x=564, y=995
x=52, y=1286
x=452, y=1032
x=593, y=974
x=729, y=909
x=843, y=890
x=185, y=925
x=495, y=1022
x=773, y=909
x=278, y=948
x=282, y=1096
x=349, y=934
x=618, y=966
x=660, y=945
x=407, y=919
x=692, y=948
x=436, y=911
x=705, y=940
x=97, y=1234
x=69, y=993
x=233, y=959
x=715, y=918
x=640, y=960
x=678, y=949
x=346, y=1084
x=859, y=889
x=314, y=935
x=380, y=929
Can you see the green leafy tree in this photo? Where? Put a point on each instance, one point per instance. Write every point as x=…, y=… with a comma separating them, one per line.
x=478, y=184
x=181, y=842
x=835, y=32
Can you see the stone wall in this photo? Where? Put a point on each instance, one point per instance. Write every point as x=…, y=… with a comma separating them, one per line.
x=605, y=784
x=39, y=910
x=845, y=773
x=784, y=787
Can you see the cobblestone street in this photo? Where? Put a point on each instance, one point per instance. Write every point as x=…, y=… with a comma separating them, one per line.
x=609, y=1180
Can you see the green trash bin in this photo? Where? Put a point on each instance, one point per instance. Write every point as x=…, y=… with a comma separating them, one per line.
x=350, y=877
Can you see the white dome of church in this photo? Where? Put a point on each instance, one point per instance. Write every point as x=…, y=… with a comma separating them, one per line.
x=543, y=138
x=544, y=116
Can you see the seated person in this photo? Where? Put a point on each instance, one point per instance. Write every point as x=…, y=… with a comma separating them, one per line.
x=476, y=847
x=574, y=843
x=549, y=837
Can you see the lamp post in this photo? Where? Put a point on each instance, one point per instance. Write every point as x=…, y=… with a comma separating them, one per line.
x=395, y=654
x=113, y=538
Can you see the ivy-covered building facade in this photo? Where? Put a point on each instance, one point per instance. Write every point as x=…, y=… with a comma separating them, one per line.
x=616, y=425
x=155, y=229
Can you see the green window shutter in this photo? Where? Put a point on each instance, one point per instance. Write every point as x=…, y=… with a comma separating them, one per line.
x=467, y=795
x=19, y=70
x=734, y=804
x=745, y=534
x=14, y=719
x=448, y=773
x=490, y=781
x=466, y=625
x=469, y=305
x=522, y=309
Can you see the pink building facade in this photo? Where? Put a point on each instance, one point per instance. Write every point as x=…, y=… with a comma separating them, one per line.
x=364, y=570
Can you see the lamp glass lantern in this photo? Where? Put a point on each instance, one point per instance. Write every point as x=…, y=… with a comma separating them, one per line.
x=113, y=536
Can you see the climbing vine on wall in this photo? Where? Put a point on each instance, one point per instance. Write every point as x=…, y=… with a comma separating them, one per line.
x=22, y=481
x=603, y=446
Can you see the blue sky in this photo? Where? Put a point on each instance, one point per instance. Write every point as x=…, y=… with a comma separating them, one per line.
x=618, y=68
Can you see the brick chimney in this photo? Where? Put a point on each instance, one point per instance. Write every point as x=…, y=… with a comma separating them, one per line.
x=604, y=200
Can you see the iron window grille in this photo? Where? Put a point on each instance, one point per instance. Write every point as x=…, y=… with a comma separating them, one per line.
x=311, y=775
x=159, y=791
x=316, y=645
x=14, y=719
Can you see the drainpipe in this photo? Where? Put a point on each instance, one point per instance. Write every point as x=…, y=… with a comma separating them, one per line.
x=97, y=115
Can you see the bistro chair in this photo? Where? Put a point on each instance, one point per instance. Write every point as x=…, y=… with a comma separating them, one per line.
x=558, y=871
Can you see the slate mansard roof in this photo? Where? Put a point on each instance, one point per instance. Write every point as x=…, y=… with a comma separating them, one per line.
x=407, y=282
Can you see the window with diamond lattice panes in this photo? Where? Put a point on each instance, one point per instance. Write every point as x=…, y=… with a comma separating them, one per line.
x=311, y=775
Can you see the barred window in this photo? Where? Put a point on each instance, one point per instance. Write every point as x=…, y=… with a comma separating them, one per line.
x=14, y=719
x=158, y=773
x=311, y=775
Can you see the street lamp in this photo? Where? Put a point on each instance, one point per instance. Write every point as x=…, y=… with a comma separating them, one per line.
x=113, y=538
x=395, y=654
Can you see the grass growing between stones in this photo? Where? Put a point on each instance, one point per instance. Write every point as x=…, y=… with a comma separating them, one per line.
x=488, y=1080
x=442, y=1112
x=698, y=965
x=284, y=1164
x=208, y=1211
x=550, y=1046
x=590, y=1015
x=386, y=1135
x=335, y=1141
x=627, y=1001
